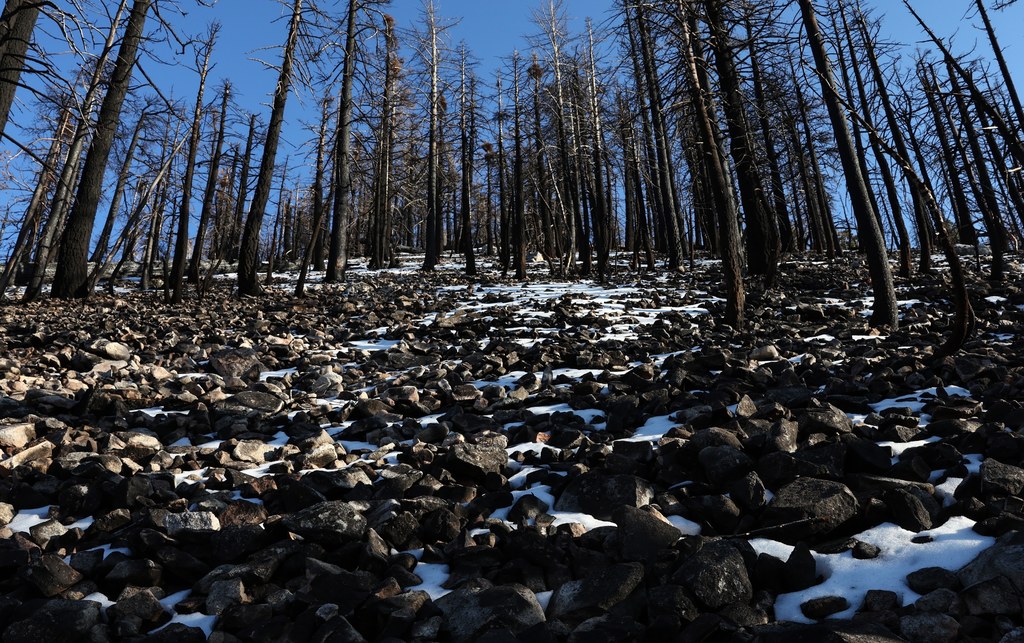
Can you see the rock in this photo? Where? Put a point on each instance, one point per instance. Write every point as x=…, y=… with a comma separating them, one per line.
x=224, y=594
x=716, y=575
x=993, y=596
x=7, y=514
x=599, y=592
x=16, y=436
x=51, y=575
x=250, y=451
x=241, y=363
x=56, y=621
x=38, y=453
x=929, y=627
x=330, y=523
x=643, y=533
x=908, y=511
x=809, y=506
x=600, y=494
x=255, y=402
x=1003, y=559
x=724, y=463
x=137, y=572
x=191, y=522
x=138, y=611
x=764, y=353
x=471, y=611
x=929, y=579
x=476, y=461
x=826, y=418
x=117, y=351
x=823, y=606
x=1004, y=479
x=329, y=383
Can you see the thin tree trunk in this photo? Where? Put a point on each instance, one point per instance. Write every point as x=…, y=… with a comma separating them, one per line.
x=210, y=193
x=248, y=264
x=71, y=278
x=884, y=312
x=17, y=23
x=337, y=254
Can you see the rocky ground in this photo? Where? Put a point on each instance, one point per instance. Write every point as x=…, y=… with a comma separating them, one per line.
x=420, y=457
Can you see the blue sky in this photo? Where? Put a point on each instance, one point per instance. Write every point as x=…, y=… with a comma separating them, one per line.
x=492, y=29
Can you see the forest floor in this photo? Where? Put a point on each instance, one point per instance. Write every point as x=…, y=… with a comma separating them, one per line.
x=413, y=456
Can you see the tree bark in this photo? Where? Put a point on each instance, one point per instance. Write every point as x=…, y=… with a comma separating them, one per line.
x=72, y=262
x=248, y=264
x=884, y=311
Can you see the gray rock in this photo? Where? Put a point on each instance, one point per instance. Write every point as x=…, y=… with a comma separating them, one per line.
x=908, y=511
x=1001, y=478
x=51, y=575
x=46, y=531
x=724, y=463
x=824, y=606
x=250, y=451
x=643, y=533
x=578, y=600
x=929, y=627
x=1005, y=558
x=7, y=514
x=819, y=505
x=993, y=596
x=716, y=575
x=330, y=523
x=224, y=594
x=929, y=579
x=256, y=402
x=16, y=436
x=826, y=419
x=56, y=621
x=475, y=461
x=600, y=494
x=191, y=522
x=117, y=351
x=471, y=611
x=38, y=453
x=242, y=363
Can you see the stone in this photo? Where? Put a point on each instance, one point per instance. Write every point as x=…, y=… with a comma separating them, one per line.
x=330, y=523
x=471, y=611
x=241, y=363
x=57, y=621
x=816, y=506
x=138, y=572
x=476, y=461
x=250, y=451
x=1003, y=559
x=51, y=575
x=190, y=522
x=1004, y=479
x=37, y=453
x=643, y=533
x=929, y=627
x=224, y=594
x=117, y=351
x=716, y=575
x=724, y=463
x=824, y=606
x=600, y=494
x=826, y=418
x=16, y=436
x=929, y=579
x=908, y=511
x=599, y=592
